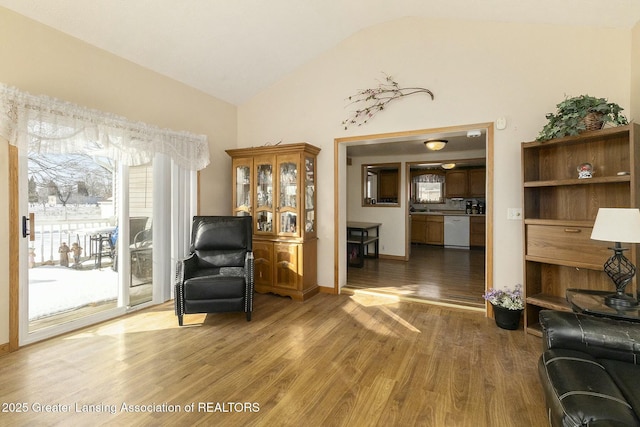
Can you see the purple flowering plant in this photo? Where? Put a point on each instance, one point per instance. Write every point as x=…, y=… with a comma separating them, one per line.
x=506, y=298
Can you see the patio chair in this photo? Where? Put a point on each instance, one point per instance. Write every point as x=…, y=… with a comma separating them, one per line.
x=141, y=252
x=217, y=276
x=136, y=225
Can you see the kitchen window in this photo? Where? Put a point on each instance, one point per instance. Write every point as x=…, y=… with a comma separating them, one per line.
x=428, y=188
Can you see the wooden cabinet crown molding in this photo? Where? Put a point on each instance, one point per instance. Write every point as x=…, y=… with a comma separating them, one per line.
x=274, y=149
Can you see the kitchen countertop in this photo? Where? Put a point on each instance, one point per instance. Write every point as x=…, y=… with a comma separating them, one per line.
x=444, y=213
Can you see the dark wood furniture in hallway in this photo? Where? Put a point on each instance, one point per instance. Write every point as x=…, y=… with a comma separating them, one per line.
x=360, y=236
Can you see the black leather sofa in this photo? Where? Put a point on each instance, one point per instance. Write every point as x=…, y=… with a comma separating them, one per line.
x=589, y=370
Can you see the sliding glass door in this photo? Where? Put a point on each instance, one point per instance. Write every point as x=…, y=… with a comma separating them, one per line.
x=101, y=205
x=90, y=240
x=72, y=225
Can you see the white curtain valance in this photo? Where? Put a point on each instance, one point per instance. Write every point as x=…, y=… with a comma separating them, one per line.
x=429, y=177
x=44, y=125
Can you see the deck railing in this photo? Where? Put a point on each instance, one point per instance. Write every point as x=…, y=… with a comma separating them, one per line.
x=50, y=234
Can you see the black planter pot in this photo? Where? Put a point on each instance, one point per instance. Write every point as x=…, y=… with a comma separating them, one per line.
x=507, y=319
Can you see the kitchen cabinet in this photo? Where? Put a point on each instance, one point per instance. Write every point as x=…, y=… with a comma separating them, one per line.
x=456, y=183
x=477, y=182
x=465, y=183
x=388, y=181
x=418, y=229
x=477, y=235
x=560, y=209
x=276, y=185
x=435, y=230
x=427, y=229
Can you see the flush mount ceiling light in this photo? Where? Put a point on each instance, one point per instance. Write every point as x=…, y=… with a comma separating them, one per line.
x=473, y=134
x=435, y=144
x=448, y=165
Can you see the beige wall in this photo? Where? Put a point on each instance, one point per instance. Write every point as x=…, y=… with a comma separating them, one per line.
x=478, y=72
x=40, y=60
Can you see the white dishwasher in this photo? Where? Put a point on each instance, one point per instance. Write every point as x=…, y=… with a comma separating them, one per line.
x=456, y=231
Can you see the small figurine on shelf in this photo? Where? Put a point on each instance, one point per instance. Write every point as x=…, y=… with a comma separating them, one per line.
x=585, y=171
x=64, y=250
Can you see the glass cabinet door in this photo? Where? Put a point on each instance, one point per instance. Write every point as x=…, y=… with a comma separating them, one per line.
x=309, y=195
x=288, y=195
x=264, y=196
x=242, y=183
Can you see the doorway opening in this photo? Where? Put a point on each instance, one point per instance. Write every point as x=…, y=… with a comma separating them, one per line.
x=452, y=276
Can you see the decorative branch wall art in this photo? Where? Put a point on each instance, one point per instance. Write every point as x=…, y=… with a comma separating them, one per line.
x=375, y=100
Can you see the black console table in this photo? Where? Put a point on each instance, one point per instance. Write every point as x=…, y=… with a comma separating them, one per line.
x=359, y=238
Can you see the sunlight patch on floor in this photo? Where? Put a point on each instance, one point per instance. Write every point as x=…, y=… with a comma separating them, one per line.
x=372, y=299
x=378, y=295
x=381, y=301
x=399, y=319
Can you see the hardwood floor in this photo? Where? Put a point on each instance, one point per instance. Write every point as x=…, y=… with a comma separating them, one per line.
x=334, y=360
x=433, y=273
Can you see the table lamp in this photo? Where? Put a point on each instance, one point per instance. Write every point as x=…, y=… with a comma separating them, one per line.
x=618, y=225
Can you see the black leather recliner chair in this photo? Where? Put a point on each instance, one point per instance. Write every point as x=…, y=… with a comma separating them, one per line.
x=218, y=274
x=589, y=370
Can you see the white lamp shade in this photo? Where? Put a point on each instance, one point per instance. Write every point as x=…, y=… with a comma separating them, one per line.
x=617, y=225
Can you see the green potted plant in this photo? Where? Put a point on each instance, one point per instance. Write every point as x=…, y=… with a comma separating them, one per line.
x=579, y=114
x=507, y=306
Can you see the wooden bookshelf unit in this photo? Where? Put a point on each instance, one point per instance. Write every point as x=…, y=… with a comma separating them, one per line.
x=560, y=209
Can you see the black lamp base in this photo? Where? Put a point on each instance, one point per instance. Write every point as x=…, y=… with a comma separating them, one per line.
x=621, y=271
x=620, y=301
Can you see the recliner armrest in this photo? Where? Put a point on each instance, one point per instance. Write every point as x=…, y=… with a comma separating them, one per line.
x=600, y=337
x=188, y=265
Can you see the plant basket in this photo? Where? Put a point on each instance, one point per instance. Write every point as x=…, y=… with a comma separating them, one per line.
x=505, y=318
x=592, y=121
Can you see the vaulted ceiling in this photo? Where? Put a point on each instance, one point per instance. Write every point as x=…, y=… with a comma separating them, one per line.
x=233, y=49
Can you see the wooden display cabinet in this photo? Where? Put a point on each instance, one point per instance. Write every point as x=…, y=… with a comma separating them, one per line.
x=242, y=186
x=560, y=209
x=282, y=200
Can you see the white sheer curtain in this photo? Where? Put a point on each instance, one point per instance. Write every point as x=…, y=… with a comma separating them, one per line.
x=44, y=125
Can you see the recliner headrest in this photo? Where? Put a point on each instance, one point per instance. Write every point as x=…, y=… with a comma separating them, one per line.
x=212, y=233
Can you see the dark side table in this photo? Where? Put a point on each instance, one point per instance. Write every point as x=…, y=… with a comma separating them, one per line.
x=592, y=302
x=359, y=237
